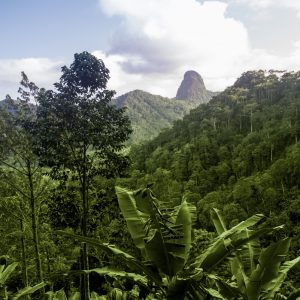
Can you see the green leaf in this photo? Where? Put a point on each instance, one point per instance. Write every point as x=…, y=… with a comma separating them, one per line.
x=75, y=296
x=268, y=268
x=6, y=272
x=116, y=274
x=227, y=243
x=166, y=238
x=58, y=295
x=218, y=221
x=165, y=255
x=244, y=257
x=214, y=293
x=227, y=290
x=134, y=219
x=184, y=218
x=253, y=220
x=145, y=201
x=239, y=274
x=29, y=290
x=274, y=286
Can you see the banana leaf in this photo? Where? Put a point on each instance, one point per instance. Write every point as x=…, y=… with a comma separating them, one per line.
x=268, y=268
x=165, y=255
x=28, y=290
x=218, y=221
x=229, y=242
x=253, y=220
x=184, y=218
x=236, y=263
x=167, y=240
x=5, y=272
x=274, y=286
x=227, y=290
x=239, y=274
x=134, y=218
x=116, y=274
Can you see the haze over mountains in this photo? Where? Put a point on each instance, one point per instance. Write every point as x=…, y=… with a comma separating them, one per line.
x=149, y=114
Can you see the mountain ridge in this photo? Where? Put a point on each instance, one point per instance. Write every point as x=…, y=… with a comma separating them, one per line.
x=149, y=114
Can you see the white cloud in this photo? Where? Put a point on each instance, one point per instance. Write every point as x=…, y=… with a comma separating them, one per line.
x=43, y=71
x=168, y=37
x=158, y=40
x=123, y=82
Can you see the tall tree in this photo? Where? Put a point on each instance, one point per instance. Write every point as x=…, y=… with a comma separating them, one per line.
x=78, y=130
x=19, y=166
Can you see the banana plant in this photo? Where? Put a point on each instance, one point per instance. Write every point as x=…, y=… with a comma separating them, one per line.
x=28, y=291
x=258, y=273
x=5, y=273
x=164, y=236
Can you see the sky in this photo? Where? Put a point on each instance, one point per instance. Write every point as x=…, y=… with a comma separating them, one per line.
x=148, y=44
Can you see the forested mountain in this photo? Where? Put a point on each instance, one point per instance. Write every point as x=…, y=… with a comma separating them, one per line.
x=196, y=214
x=240, y=153
x=149, y=114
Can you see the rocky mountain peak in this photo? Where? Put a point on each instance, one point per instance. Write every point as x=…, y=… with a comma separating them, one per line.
x=192, y=88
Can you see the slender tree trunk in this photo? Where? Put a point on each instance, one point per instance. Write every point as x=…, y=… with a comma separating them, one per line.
x=251, y=123
x=283, y=189
x=34, y=226
x=48, y=261
x=85, y=205
x=296, y=123
x=24, y=259
x=271, y=153
x=240, y=123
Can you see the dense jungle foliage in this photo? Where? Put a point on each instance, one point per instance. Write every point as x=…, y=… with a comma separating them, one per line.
x=196, y=213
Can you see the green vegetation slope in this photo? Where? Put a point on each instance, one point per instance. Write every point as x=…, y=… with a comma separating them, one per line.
x=149, y=114
x=239, y=153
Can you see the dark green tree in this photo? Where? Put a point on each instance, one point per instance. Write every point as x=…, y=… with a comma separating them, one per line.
x=19, y=166
x=80, y=134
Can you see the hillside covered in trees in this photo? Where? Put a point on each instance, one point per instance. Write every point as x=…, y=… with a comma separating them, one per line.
x=149, y=114
x=239, y=153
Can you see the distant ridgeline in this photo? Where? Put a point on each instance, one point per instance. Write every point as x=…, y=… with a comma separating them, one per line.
x=240, y=153
x=8, y=104
x=149, y=114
